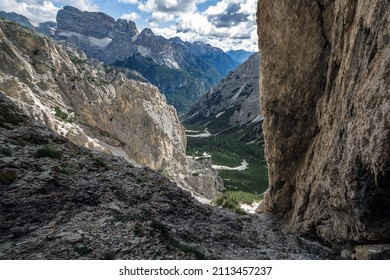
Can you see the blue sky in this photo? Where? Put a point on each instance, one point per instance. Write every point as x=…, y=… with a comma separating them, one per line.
x=228, y=24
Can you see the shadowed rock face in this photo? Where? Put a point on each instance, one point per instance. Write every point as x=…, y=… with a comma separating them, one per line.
x=326, y=103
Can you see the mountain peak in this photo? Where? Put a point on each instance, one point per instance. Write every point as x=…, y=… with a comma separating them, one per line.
x=147, y=32
x=98, y=25
x=71, y=9
x=127, y=26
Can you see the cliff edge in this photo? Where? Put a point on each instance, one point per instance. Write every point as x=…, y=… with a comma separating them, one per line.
x=326, y=103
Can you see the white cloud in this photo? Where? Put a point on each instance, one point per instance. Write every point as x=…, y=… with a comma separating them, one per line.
x=84, y=5
x=41, y=11
x=229, y=24
x=158, y=17
x=194, y=22
x=169, y=6
x=133, y=16
x=165, y=32
x=129, y=1
x=219, y=8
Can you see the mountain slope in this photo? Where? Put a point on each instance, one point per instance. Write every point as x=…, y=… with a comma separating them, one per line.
x=97, y=107
x=234, y=102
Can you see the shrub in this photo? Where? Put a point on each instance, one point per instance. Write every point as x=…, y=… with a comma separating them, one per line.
x=108, y=256
x=137, y=230
x=83, y=250
x=232, y=200
x=100, y=162
x=165, y=236
x=166, y=175
x=120, y=219
x=20, y=143
x=61, y=115
x=67, y=169
x=6, y=151
x=7, y=177
x=48, y=152
x=131, y=174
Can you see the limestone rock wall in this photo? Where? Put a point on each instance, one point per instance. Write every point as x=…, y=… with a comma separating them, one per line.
x=325, y=83
x=93, y=106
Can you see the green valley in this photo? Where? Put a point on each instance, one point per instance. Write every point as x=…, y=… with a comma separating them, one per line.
x=230, y=149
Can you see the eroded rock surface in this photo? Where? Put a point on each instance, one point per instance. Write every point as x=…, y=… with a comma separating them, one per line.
x=325, y=83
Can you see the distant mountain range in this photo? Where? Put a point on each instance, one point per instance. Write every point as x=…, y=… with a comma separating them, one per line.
x=181, y=70
x=233, y=103
x=240, y=55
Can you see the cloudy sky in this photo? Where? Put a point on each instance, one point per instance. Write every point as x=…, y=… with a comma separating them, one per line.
x=228, y=24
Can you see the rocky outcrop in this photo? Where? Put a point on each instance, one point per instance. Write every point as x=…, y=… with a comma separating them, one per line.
x=325, y=96
x=62, y=201
x=96, y=107
x=97, y=25
x=234, y=102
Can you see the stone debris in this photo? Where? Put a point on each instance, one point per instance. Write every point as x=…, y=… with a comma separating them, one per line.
x=70, y=237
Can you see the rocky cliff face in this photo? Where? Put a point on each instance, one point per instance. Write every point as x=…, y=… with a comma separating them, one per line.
x=96, y=107
x=325, y=85
x=234, y=102
x=97, y=25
